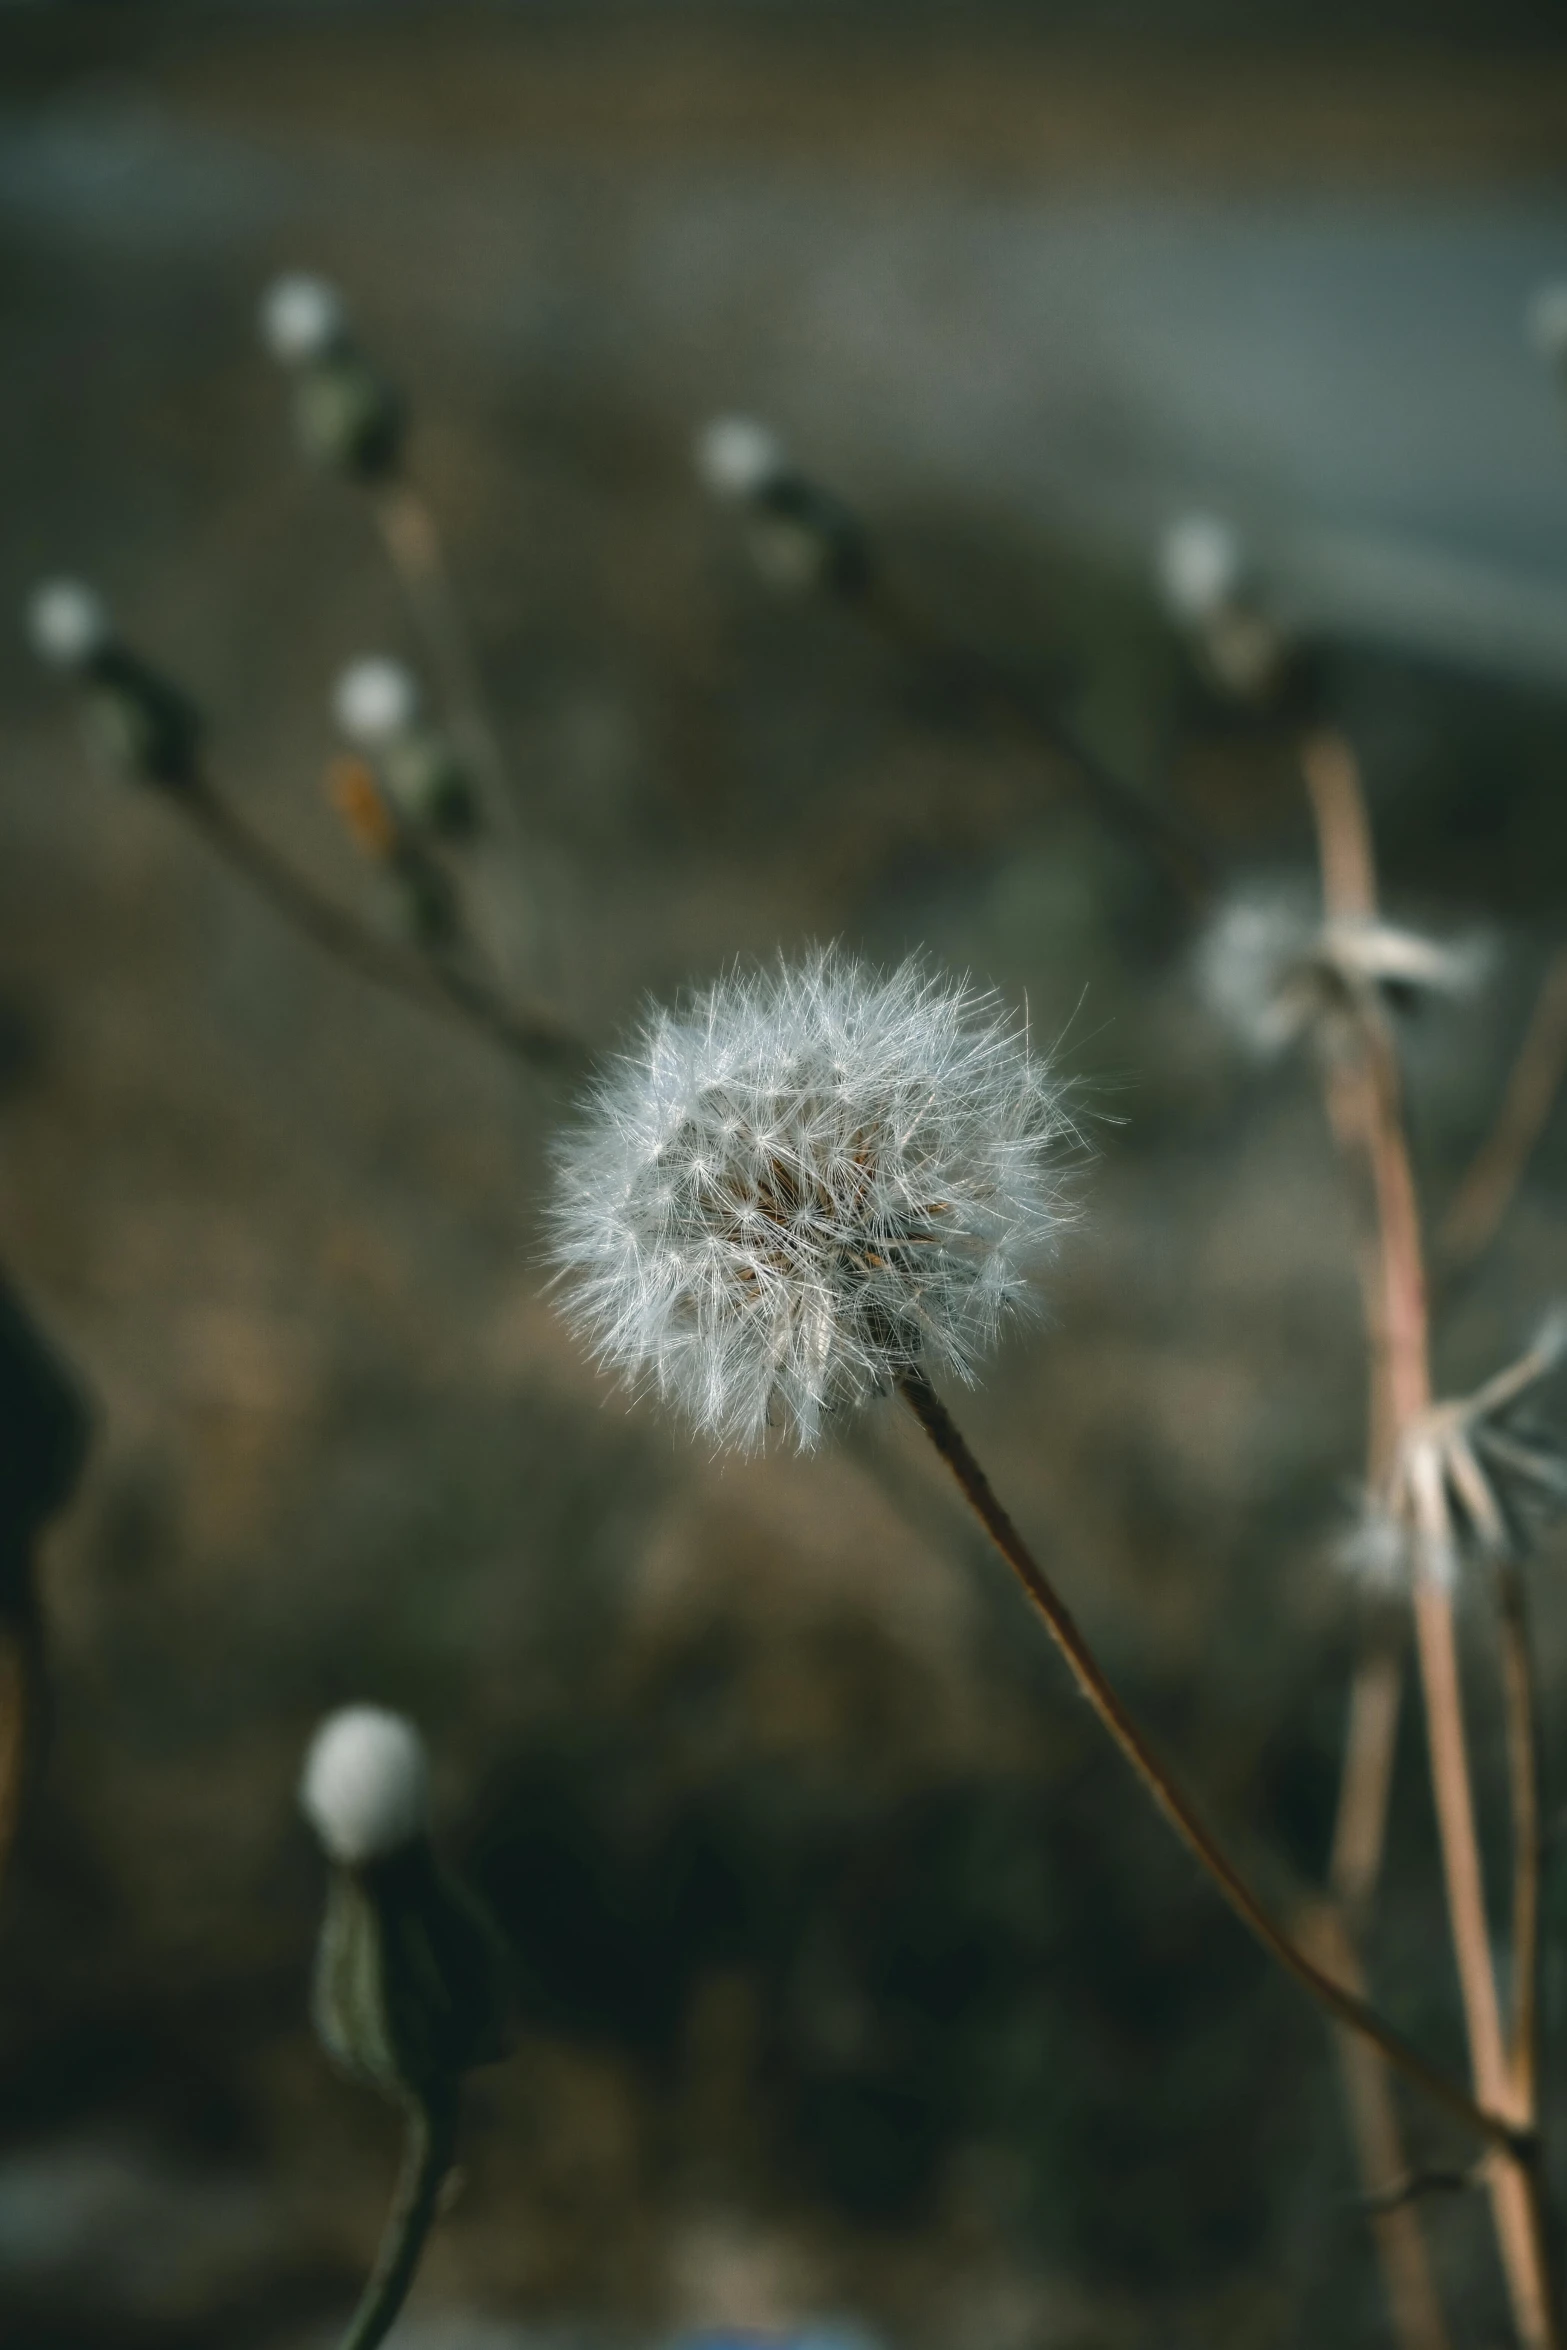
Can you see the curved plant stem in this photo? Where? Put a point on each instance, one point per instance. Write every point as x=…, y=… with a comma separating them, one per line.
x=1343, y=2004
x=532, y=1036
x=1486, y=1192
x=427, y=2157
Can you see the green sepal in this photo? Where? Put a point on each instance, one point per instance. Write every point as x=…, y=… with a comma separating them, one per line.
x=412, y=1976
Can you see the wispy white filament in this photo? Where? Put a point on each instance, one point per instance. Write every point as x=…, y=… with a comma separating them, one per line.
x=366, y=1784
x=803, y=1182
x=1270, y=969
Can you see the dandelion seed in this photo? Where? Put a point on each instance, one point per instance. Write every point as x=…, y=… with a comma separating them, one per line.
x=803, y=1184
x=366, y=1785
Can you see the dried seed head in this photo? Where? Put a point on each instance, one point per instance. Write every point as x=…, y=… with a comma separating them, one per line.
x=1471, y=1479
x=68, y=624
x=1202, y=568
x=301, y=318
x=804, y=1182
x=366, y=1785
x=1271, y=971
x=1546, y=321
x=739, y=459
x=375, y=701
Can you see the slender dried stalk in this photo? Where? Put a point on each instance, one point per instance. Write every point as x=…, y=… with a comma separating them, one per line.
x=1486, y=1192
x=427, y=2158
x=535, y=1037
x=1349, y=883
x=1349, y=892
x=1343, y=2004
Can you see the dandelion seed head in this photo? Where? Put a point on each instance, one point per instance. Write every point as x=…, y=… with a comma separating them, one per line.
x=737, y=458
x=68, y=624
x=803, y=1182
x=1545, y=321
x=1202, y=567
x=301, y=318
x=365, y=1788
x=375, y=701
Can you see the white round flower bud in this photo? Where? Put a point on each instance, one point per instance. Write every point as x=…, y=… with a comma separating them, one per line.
x=375, y=701
x=1201, y=567
x=301, y=318
x=1546, y=321
x=366, y=1784
x=737, y=458
x=67, y=623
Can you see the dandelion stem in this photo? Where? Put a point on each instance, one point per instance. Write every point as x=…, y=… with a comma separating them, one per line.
x=532, y=1036
x=427, y=2157
x=1345, y=2005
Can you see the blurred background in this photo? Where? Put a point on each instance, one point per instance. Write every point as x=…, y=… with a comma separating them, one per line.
x=860, y=2000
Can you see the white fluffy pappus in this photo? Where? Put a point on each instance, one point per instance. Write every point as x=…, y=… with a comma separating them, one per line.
x=301, y=318
x=1201, y=567
x=68, y=623
x=803, y=1182
x=737, y=458
x=375, y=700
x=365, y=1788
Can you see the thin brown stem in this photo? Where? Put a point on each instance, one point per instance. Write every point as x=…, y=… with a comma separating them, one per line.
x=1402, y=1329
x=1523, y=1766
x=1341, y=2003
x=1486, y=1192
x=439, y=985
x=1349, y=893
x=427, y=2158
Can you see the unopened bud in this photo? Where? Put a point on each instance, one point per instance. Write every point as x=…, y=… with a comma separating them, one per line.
x=801, y=537
x=411, y=1972
x=138, y=720
x=378, y=706
x=1208, y=589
